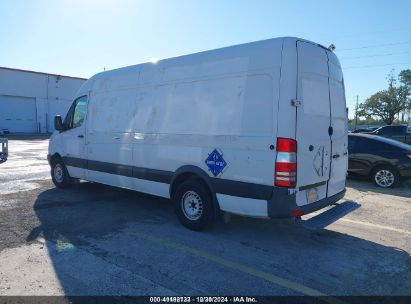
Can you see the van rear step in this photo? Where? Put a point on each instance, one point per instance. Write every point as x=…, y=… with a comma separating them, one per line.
x=330, y=216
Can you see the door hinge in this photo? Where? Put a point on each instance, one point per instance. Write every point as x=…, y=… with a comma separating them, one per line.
x=296, y=103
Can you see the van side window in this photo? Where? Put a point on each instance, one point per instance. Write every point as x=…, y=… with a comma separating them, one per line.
x=69, y=117
x=80, y=111
x=77, y=113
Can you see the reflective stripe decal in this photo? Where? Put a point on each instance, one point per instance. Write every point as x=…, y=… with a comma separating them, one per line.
x=223, y=186
x=123, y=170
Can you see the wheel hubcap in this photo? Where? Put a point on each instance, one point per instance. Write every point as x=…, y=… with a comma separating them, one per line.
x=384, y=178
x=58, y=173
x=192, y=205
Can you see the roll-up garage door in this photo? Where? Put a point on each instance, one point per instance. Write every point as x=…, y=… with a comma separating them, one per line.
x=18, y=114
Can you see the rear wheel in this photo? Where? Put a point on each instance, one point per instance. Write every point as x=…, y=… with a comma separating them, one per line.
x=385, y=177
x=59, y=174
x=193, y=205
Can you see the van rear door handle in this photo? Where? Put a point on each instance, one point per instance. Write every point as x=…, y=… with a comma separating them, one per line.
x=80, y=136
x=336, y=156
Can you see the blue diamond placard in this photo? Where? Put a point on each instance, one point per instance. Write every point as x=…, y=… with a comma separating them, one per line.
x=215, y=162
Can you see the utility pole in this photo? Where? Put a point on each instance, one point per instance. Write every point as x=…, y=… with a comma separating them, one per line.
x=356, y=115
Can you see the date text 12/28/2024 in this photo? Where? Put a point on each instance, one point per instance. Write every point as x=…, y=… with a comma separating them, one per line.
x=203, y=299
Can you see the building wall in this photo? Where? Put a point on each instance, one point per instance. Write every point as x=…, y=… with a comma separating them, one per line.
x=30, y=100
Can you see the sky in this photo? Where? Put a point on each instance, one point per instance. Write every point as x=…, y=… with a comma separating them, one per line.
x=83, y=37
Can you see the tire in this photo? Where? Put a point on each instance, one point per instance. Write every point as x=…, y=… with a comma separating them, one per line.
x=193, y=205
x=59, y=174
x=385, y=176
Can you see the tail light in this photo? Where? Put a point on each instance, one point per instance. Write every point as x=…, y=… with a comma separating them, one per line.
x=286, y=163
x=297, y=213
x=409, y=155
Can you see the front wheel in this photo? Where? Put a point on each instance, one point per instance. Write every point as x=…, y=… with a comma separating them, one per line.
x=59, y=174
x=385, y=177
x=193, y=205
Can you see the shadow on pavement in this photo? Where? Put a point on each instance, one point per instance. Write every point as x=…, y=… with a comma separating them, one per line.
x=92, y=235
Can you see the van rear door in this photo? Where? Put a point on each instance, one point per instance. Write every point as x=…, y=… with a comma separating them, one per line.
x=339, y=137
x=322, y=157
x=313, y=123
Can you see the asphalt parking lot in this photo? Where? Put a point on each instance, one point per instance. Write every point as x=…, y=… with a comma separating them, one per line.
x=93, y=239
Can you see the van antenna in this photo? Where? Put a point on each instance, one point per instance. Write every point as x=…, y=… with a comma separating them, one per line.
x=332, y=47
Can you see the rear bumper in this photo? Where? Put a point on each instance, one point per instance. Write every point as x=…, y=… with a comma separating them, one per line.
x=281, y=204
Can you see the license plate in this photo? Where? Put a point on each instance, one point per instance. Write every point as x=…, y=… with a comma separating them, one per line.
x=312, y=195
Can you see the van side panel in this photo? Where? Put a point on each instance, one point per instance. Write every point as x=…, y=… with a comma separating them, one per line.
x=176, y=112
x=242, y=205
x=109, y=148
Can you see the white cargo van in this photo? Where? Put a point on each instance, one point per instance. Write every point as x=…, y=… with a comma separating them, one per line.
x=258, y=129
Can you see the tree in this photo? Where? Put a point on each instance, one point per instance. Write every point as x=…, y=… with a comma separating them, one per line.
x=405, y=77
x=386, y=104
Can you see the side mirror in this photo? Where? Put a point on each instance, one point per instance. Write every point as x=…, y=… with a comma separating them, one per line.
x=58, y=123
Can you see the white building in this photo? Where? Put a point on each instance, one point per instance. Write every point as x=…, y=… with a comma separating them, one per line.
x=30, y=100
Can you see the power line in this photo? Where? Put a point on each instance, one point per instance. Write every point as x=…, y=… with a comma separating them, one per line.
x=376, y=55
x=377, y=65
x=375, y=32
x=375, y=45
x=383, y=31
